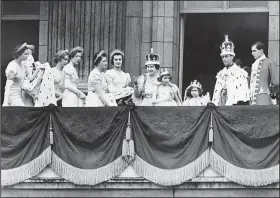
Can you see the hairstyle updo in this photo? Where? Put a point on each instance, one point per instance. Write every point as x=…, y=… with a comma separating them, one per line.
x=98, y=57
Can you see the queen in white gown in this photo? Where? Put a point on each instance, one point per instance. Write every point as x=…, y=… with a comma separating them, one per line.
x=98, y=93
x=145, y=86
x=118, y=81
x=72, y=96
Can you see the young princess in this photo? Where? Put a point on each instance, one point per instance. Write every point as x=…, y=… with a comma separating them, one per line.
x=193, y=95
x=166, y=94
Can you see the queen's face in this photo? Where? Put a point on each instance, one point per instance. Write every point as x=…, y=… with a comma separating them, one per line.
x=194, y=92
x=77, y=58
x=117, y=60
x=151, y=69
x=103, y=63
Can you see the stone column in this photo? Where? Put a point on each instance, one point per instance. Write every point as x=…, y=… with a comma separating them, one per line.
x=43, y=31
x=146, y=33
x=273, y=39
x=165, y=34
x=133, y=30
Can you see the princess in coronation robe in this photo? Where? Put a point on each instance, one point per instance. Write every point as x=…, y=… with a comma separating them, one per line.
x=118, y=81
x=194, y=95
x=166, y=94
x=145, y=86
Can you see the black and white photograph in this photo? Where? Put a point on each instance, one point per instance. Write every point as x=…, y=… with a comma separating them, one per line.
x=139, y=98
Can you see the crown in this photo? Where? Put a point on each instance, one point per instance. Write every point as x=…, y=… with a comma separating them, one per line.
x=195, y=83
x=152, y=59
x=227, y=47
x=115, y=52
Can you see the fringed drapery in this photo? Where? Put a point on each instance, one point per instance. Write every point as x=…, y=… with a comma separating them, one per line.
x=88, y=176
x=166, y=145
x=26, y=171
x=243, y=176
x=25, y=145
x=171, y=177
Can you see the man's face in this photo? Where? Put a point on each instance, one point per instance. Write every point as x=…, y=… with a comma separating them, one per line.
x=256, y=53
x=227, y=59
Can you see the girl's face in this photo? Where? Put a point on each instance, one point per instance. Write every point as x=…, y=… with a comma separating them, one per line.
x=77, y=58
x=194, y=92
x=151, y=69
x=165, y=79
x=24, y=55
x=103, y=63
x=64, y=60
x=117, y=60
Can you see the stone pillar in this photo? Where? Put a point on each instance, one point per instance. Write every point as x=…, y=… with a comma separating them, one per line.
x=133, y=30
x=146, y=32
x=273, y=39
x=43, y=31
x=165, y=34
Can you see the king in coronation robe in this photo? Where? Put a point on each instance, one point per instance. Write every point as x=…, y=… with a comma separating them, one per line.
x=231, y=86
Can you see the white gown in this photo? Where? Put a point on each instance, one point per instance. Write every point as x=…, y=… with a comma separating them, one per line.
x=92, y=99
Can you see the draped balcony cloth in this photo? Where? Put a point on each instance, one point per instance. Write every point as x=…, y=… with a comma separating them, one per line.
x=90, y=145
x=246, y=144
x=25, y=145
x=87, y=146
x=171, y=143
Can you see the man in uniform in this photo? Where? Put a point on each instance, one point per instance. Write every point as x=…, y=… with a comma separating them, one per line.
x=231, y=86
x=264, y=84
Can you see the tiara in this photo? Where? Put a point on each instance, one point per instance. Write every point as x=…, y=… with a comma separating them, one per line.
x=115, y=52
x=195, y=83
x=98, y=55
x=164, y=71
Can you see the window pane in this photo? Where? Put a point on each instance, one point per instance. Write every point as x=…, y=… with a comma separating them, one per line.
x=248, y=4
x=21, y=7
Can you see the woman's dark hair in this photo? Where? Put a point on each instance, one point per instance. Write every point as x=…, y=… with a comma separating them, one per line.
x=160, y=77
x=75, y=51
x=157, y=66
x=190, y=89
x=116, y=54
x=98, y=57
x=19, y=50
x=60, y=55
